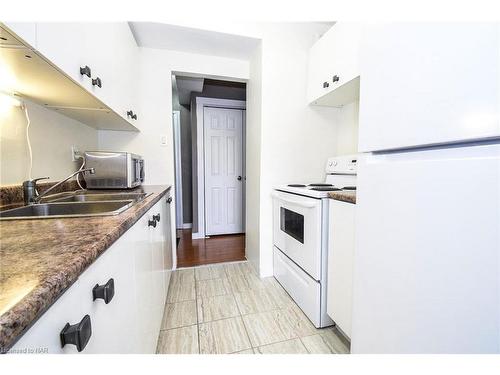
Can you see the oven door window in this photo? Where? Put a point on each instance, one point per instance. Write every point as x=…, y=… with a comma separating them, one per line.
x=292, y=224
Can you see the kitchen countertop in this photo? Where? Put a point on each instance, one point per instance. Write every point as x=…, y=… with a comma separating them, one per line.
x=344, y=196
x=41, y=258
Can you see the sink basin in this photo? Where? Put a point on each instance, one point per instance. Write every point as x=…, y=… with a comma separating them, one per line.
x=67, y=209
x=100, y=197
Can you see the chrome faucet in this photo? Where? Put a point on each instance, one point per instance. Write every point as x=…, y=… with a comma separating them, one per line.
x=30, y=193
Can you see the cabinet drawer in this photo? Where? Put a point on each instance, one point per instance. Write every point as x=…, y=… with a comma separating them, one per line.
x=305, y=291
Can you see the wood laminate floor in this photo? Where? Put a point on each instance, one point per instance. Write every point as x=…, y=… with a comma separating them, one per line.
x=227, y=308
x=216, y=249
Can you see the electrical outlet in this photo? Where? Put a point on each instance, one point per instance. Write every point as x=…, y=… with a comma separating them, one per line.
x=75, y=153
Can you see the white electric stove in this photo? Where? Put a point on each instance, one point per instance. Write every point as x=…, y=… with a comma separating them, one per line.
x=300, y=236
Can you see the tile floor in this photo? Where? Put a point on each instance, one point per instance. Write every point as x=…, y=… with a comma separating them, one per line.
x=227, y=308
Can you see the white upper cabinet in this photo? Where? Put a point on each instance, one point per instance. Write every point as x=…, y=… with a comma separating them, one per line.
x=105, y=51
x=334, y=66
x=428, y=83
x=24, y=30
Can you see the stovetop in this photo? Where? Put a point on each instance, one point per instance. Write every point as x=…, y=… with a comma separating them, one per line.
x=314, y=190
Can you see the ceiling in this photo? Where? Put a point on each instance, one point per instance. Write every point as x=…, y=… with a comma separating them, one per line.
x=205, y=42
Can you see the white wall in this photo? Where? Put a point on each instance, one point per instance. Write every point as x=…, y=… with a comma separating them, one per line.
x=296, y=139
x=51, y=135
x=155, y=110
x=155, y=103
x=253, y=161
x=347, y=124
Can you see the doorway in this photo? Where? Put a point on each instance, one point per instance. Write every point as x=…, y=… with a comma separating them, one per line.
x=209, y=149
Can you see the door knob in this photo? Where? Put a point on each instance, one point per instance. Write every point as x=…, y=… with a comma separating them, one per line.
x=239, y=178
x=77, y=334
x=105, y=292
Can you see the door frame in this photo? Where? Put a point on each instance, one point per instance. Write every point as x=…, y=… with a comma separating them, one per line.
x=176, y=124
x=201, y=103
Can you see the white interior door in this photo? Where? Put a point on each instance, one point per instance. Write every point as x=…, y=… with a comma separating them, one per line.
x=223, y=139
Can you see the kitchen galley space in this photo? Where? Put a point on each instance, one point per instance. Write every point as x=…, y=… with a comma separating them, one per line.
x=187, y=190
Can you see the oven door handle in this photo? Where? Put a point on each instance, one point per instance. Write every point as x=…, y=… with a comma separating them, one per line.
x=292, y=201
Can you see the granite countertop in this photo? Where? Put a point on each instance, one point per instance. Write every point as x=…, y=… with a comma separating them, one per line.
x=348, y=196
x=41, y=258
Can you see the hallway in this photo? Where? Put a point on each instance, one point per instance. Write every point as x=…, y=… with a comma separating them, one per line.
x=216, y=249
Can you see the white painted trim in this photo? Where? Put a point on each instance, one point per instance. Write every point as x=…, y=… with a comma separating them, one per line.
x=176, y=123
x=187, y=225
x=202, y=102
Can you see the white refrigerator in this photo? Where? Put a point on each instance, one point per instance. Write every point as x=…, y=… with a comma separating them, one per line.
x=427, y=258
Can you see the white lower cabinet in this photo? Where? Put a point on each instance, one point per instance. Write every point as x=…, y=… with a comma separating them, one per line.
x=130, y=321
x=340, y=263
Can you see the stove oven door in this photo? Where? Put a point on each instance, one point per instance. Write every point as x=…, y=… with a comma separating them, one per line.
x=297, y=230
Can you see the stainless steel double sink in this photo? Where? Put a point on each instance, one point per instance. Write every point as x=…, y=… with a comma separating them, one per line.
x=77, y=204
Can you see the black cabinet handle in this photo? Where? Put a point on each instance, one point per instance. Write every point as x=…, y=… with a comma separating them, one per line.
x=325, y=85
x=239, y=178
x=97, y=82
x=105, y=292
x=169, y=200
x=335, y=78
x=77, y=334
x=132, y=115
x=152, y=223
x=156, y=217
x=85, y=71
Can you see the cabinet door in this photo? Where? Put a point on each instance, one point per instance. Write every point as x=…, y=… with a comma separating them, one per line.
x=335, y=54
x=114, y=324
x=167, y=243
x=428, y=83
x=109, y=49
x=340, y=263
x=68, y=47
x=320, y=66
x=157, y=241
x=44, y=335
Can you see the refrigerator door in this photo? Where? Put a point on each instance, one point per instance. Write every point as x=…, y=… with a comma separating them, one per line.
x=428, y=83
x=426, y=267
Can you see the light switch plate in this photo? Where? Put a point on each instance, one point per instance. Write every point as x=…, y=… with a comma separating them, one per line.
x=163, y=139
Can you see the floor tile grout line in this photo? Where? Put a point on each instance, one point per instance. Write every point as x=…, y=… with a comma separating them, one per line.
x=244, y=325
x=197, y=317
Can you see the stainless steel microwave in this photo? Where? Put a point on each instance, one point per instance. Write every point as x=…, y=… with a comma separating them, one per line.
x=114, y=170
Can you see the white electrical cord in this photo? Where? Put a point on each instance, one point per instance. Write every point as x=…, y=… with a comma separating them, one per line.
x=28, y=122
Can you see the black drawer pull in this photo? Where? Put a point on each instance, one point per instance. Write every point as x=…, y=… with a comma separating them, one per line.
x=105, y=292
x=156, y=217
x=152, y=223
x=85, y=71
x=97, y=82
x=77, y=334
x=325, y=85
x=169, y=200
x=335, y=78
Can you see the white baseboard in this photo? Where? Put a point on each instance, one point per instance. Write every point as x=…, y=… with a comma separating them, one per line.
x=187, y=225
x=197, y=236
